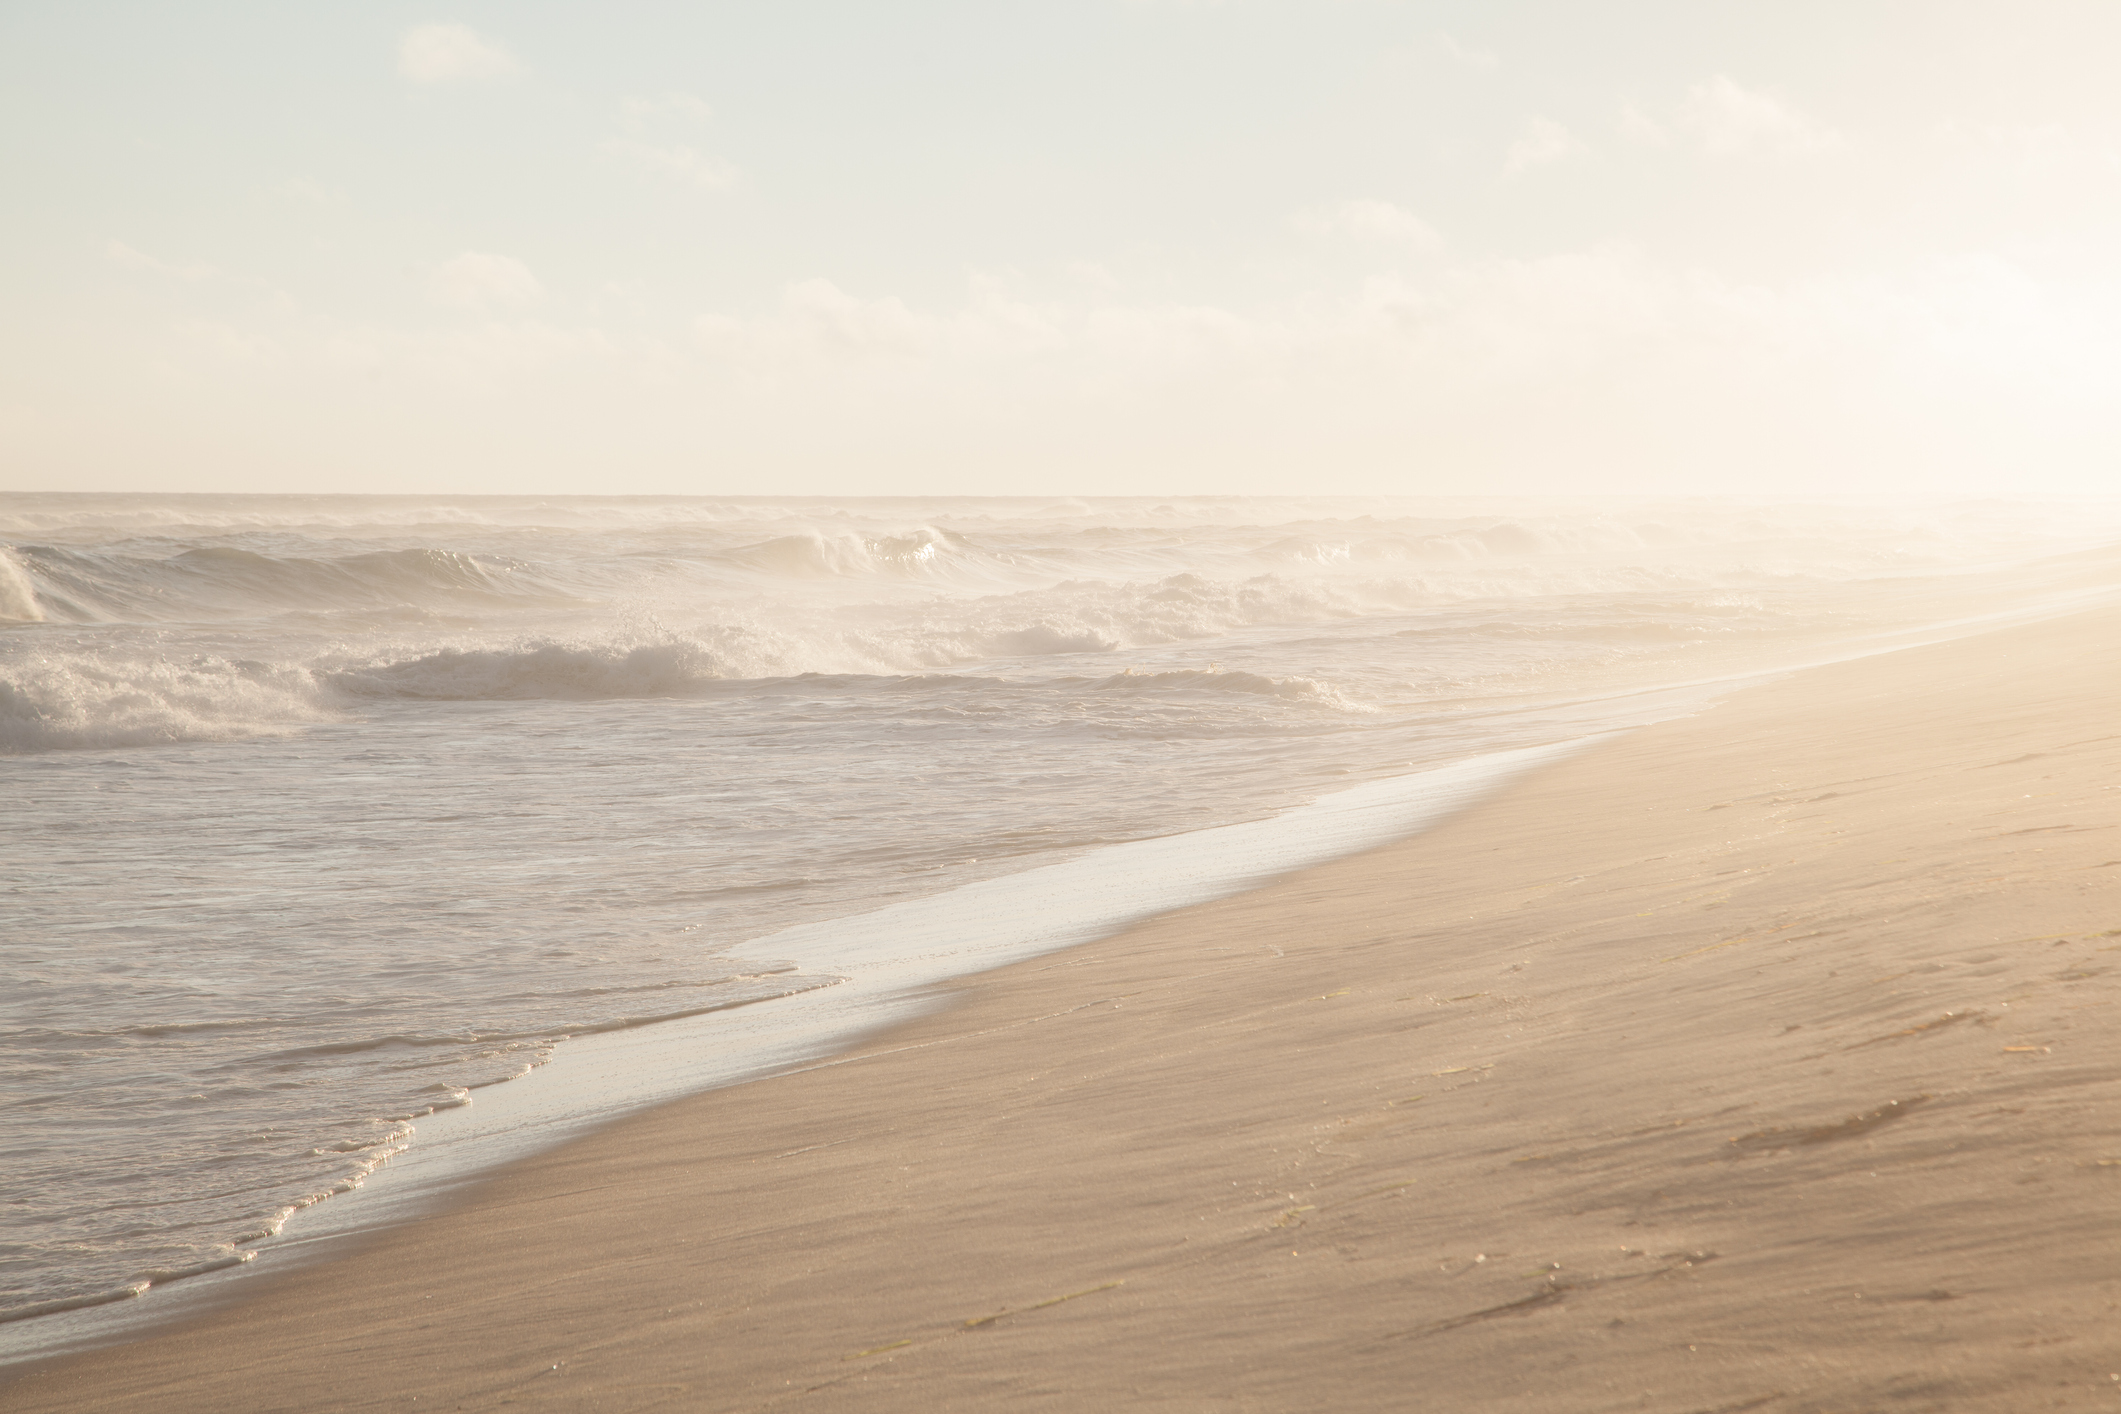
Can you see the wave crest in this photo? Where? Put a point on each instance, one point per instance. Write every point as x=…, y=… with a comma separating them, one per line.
x=814, y=555
x=87, y=700
x=674, y=668
x=18, y=596
x=1289, y=689
x=223, y=581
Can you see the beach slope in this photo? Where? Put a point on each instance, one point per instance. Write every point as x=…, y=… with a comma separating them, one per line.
x=1761, y=1060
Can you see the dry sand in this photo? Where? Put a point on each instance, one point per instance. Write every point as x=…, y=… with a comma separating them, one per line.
x=1762, y=1060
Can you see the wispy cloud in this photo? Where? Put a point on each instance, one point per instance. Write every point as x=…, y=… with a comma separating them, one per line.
x=819, y=320
x=1092, y=275
x=1638, y=126
x=1632, y=365
x=480, y=280
x=197, y=272
x=125, y=256
x=1376, y=221
x=650, y=148
x=2048, y=149
x=439, y=54
x=685, y=164
x=1539, y=142
x=486, y=356
x=671, y=105
x=310, y=192
x=1714, y=366
x=1728, y=120
x=1466, y=56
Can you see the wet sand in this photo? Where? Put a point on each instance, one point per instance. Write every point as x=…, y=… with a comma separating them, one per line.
x=1761, y=1060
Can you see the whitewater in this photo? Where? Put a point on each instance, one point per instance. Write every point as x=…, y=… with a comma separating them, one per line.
x=324, y=814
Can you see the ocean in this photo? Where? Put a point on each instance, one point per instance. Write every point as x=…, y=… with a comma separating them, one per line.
x=324, y=815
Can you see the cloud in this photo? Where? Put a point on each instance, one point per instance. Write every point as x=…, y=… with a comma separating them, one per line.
x=1727, y=120
x=1479, y=60
x=836, y=320
x=311, y=193
x=2035, y=149
x=675, y=160
x=671, y=105
x=478, y=280
x=434, y=54
x=1639, y=373
x=1378, y=221
x=1539, y=142
x=682, y=163
x=490, y=356
x=1467, y=343
x=198, y=272
x=1092, y=275
x=121, y=254
x=1638, y=126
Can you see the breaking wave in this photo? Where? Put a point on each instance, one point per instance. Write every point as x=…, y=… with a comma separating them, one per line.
x=88, y=700
x=140, y=621
x=543, y=670
x=222, y=581
x=18, y=596
x=816, y=555
x=1290, y=689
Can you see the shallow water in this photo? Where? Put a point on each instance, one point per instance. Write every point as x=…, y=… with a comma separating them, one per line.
x=324, y=812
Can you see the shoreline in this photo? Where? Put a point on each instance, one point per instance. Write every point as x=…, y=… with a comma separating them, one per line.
x=596, y=1270
x=905, y=953
x=672, y=1047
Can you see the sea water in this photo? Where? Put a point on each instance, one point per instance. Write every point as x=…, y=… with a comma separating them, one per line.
x=323, y=814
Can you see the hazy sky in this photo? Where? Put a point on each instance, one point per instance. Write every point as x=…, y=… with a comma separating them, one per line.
x=1102, y=245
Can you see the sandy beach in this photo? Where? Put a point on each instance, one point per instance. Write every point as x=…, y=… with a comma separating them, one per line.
x=1758, y=1060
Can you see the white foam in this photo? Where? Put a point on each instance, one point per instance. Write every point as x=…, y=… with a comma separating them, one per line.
x=85, y=698
x=18, y=597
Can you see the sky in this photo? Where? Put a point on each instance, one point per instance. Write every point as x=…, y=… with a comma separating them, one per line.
x=1105, y=246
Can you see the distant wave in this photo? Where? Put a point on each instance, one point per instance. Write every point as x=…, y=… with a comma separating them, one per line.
x=70, y=688
x=33, y=514
x=99, y=586
x=1291, y=689
x=846, y=554
x=541, y=670
x=140, y=583
x=142, y=620
x=86, y=698
x=1122, y=584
